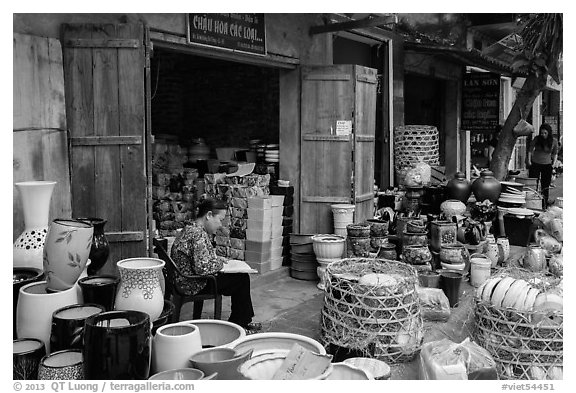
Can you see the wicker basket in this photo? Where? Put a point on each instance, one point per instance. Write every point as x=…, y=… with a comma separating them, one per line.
x=414, y=143
x=375, y=321
x=521, y=347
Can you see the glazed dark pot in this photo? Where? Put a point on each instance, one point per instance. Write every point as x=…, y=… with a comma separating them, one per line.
x=67, y=331
x=100, y=290
x=486, y=187
x=20, y=277
x=100, y=248
x=459, y=188
x=117, y=345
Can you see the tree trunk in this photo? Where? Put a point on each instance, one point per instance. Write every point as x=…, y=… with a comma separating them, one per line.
x=506, y=140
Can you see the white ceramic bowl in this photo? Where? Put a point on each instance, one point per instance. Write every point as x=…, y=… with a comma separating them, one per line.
x=343, y=371
x=376, y=368
x=263, y=367
x=217, y=333
x=279, y=343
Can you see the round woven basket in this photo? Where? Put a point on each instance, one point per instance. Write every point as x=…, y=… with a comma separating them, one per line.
x=383, y=322
x=414, y=143
x=524, y=344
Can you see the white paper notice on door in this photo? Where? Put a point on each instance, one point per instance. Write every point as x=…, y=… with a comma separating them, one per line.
x=343, y=127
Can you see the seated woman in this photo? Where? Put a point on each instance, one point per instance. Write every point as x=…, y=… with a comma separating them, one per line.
x=193, y=253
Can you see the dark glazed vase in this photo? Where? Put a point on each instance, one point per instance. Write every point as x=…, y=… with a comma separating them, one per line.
x=117, y=345
x=459, y=188
x=100, y=248
x=486, y=187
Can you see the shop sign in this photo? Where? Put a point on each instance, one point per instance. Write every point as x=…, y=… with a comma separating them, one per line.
x=480, y=101
x=237, y=32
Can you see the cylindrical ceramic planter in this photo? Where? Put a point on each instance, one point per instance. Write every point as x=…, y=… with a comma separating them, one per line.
x=66, y=252
x=100, y=248
x=67, y=331
x=100, y=290
x=140, y=288
x=343, y=215
x=480, y=266
x=414, y=239
x=442, y=233
x=173, y=345
x=450, y=284
x=503, y=249
x=358, y=230
x=22, y=276
x=26, y=356
x=328, y=246
x=388, y=251
x=358, y=247
x=454, y=254
x=35, y=308
x=28, y=247
x=117, y=345
x=62, y=365
x=378, y=228
x=429, y=279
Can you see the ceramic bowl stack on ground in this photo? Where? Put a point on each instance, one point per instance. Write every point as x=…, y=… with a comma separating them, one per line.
x=328, y=248
x=285, y=190
x=303, y=260
x=358, y=240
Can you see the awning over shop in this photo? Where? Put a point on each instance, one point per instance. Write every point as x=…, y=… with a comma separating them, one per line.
x=469, y=57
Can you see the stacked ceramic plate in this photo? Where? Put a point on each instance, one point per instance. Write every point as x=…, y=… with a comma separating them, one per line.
x=520, y=212
x=272, y=153
x=512, y=194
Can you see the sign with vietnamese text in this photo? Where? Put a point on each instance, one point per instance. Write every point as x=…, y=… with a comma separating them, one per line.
x=480, y=101
x=237, y=32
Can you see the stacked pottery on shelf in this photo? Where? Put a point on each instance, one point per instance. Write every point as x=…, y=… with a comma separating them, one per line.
x=303, y=259
x=328, y=248
x=285, y=190
x=358, y=240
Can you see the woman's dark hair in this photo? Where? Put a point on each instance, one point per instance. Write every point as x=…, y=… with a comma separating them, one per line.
x=210, y=204
x=545, y=143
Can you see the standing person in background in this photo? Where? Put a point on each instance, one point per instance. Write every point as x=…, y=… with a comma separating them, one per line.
x=540, y=159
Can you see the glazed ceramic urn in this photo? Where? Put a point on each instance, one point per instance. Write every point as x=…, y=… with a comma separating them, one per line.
x=486, y=187
x=452, y=207
x=459, y=188
x=28, y=247
x=140, y=288
x=66, y=252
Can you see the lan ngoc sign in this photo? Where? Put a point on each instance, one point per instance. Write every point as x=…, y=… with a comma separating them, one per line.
x=237, y=32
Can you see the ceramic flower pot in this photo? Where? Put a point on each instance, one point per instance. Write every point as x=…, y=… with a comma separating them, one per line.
x=414, y=239
x=429, y=279
x=35, y=308
x=66, y=252
x=343, y=215
x=140, y=288
x=416, y=254
x=378, y=228
x=26, y=356
x=28, y=247
x=62, y=365
x=358, y=230
x=358, y=247
x=67, y=331
x=388, y=251
x=455, y=254
x=218, y=334
x=100, y=248
x=22, y=276
x=377, y=242
x=492, y=252
x=173, y=345
x=503, y=249
x=442, y=233
x=486, y=187
x=117, y=345
x=452, y=207
x=328, y=246
x=223, y=361
x=459, y=188
x=99, y=290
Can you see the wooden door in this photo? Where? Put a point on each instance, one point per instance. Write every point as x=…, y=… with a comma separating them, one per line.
x=104, y=69
x=39, y=123
x=331, y=130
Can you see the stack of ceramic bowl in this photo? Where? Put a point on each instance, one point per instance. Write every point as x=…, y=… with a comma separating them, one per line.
x=260, y=152
x=512, y=194
x=272, y=154
x=303, y=260
x=328, y=248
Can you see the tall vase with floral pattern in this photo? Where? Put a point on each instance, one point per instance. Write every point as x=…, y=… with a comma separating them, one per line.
x=35, y=197
x=140, y=288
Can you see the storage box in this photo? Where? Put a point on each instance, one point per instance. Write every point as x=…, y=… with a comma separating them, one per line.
x=276, y=253
x=260, y=202
x=258, y=236
x=257, y=225
x=276, y=263
x=261, y=247
x=277, y=200
x=259, y=214
x=276, y=242
x=277, y=221
x=277, y=211
x=277, y=231
x=256, y=257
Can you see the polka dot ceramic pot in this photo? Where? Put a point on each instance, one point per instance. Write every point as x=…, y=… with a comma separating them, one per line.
x=140, y=288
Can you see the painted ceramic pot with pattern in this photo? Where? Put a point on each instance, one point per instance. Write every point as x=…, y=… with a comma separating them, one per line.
x=66, y=252
x=140, y=288
x=62, y=365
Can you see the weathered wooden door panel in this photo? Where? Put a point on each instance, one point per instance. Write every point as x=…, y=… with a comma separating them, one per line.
x=104, y=68
x=327, y=169
x=39, y=122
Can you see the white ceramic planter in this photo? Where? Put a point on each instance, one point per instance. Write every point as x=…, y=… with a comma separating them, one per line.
x=140, y=287
x=218, y=334
x=28, y=247
x=328, y=246
x=173, y=345
x=66, y=252
x=35, y=308
x=343, y=215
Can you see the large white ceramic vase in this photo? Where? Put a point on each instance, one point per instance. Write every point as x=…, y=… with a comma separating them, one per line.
x=139, y=287
x=28, y=247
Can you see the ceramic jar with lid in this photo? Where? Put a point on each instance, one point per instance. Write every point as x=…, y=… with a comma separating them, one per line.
x=486, y=187
x=459, y=188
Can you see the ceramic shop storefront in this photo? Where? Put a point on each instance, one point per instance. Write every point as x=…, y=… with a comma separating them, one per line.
x=115, y=84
